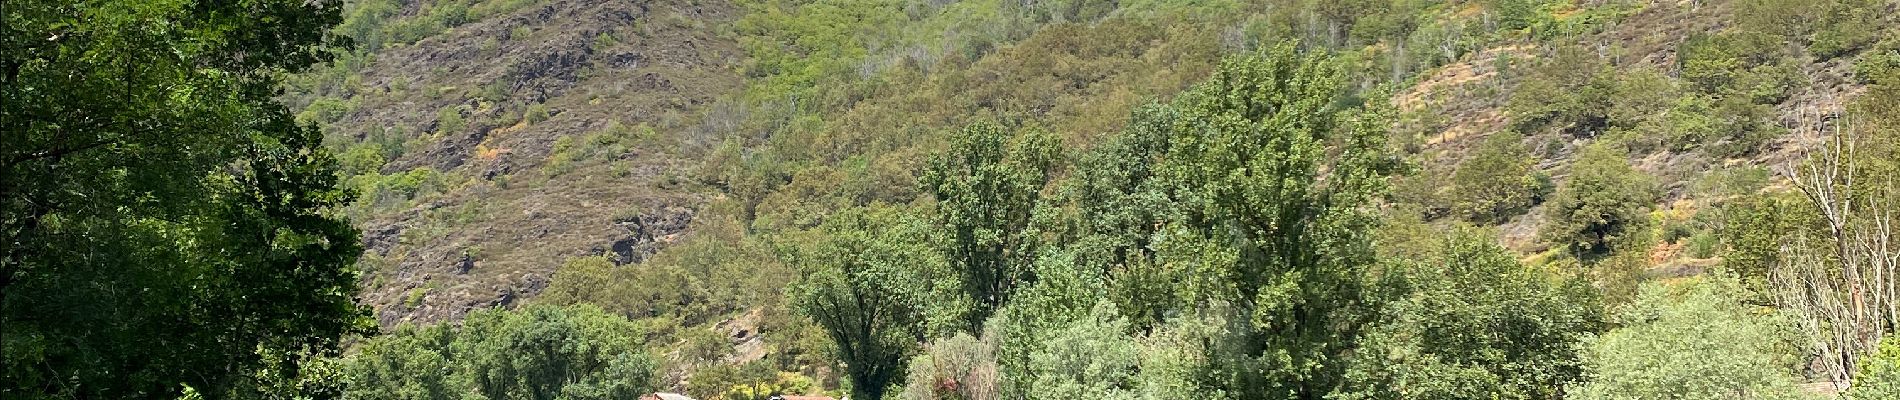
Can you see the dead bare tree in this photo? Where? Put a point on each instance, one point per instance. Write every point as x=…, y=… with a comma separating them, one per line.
x=1840, y=282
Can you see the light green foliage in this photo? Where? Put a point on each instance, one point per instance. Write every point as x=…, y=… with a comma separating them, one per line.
x=1703, y=244
x=647, y=290
x=614, y=141
x=537, y=352
x=1828, y=28
x=1089, y=359
x=1693, y=341
x=1879, y=65
x=860, y=285
x=1473, y=323
x=164, y=221
x=1878, y=375
x=1578, y=93
x=325, y=110
x=449, y=121
x=534, y=114
x=715, y=271
x=1602, y=202
x=785, y=383
x=958, y=367
x=755, y=380
x=374, y=24
x=1497, y=182
x=1724, y=126
x=396, y=190
x=986, y=186
x=1515, y=14
x=361, y=159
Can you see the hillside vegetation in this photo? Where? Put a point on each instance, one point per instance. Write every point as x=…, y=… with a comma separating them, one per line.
x=981, y=199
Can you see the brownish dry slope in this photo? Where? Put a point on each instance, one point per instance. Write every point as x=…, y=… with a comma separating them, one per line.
x=555, y=154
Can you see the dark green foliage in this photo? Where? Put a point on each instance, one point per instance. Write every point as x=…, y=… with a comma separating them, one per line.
x=1754, y=231
x=1265, y=178
x=861, y=285
x=1751, y=66
x=166, y=222
x=1473, y=323
x=1498, y=182
x=1573, y=92
x=537, y=352
x=986, y=186
x=1603, y=201
x=1117, y=199
x=1847, y=26
x=1241, y=205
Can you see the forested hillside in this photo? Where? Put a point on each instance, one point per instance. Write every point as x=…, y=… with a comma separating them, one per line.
x=941, y=199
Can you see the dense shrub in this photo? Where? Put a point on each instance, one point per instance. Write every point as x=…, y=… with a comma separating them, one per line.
x=1695, y=341
x=1603, y=200
x=1498, y=181
x=959, y=367
x=1877, y=377
x=1752, y=66
x=538, y=352
x=1473, y=323
x=534, y=114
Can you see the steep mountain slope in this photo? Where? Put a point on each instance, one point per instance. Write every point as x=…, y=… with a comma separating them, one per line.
x=495, y=146
x=1454, y=107
x=495, y=154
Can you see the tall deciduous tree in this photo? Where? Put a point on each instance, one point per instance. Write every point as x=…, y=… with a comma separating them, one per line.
x=861, y=285
x=1273, y=174
x=1248, y=197
x=987, y=185
x=163, y=221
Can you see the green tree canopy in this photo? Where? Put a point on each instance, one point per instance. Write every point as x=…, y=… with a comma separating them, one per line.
x=987, y=185
x=538, y=352
x=1271, y=173
x=1694, y=341
x=1473, y=323
x=165, y=220
x=861, y=285
x=1248, y=194
x=1497, y=183
x=1604, y=200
